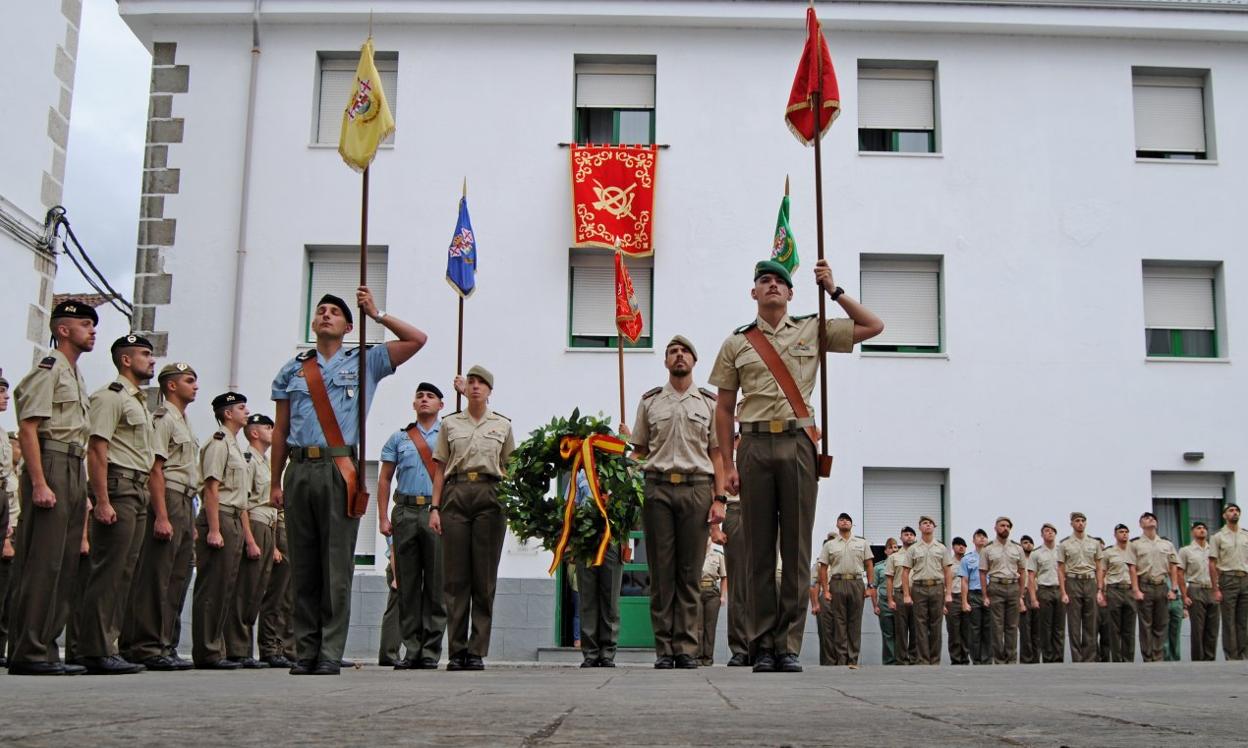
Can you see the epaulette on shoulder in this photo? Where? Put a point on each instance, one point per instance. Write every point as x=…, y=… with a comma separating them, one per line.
x=219, y=435
x=161, y=412
x=1063, y=540
x=743, y=329
x=1137, y=537
x=310, y=353
x=116, y=387
x=708, y=394
x=651, y=393
x=803, y=317
x=500, y=415
x=48, y=362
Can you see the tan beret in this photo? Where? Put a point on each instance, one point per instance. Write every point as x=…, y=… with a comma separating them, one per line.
x=682, y=340
x=482, y=373
x=1005, y=519
x=1077, y=515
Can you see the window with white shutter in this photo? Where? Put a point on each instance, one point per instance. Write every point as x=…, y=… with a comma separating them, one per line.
x=893, y=498
x=905, y=293
x=1170, y=113
x=591, y=298
x=897, y=106
x=1181, y=498
x=1180, y=310
x=336, y=81
x=615, y=98
x=336, y=270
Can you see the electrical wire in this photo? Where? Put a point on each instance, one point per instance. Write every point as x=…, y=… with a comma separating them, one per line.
x=56, y=220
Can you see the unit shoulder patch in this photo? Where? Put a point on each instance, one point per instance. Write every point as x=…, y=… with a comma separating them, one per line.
x=219, y=435
x=651, y=393
x=310, y=353
x=743, y=329
x=708, y=394
x=48, y=362
x=116, y=387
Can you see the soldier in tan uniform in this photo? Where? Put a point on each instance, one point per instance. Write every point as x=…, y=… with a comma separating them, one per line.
x=472, y=449
x=1046, y=596
x=958, y=621
x=52, y=431
x=1028, y=617
x=778, y=465
x=927, y=584
x=1120, y=594
x=119, y=461
x=1228, y=572
x=219, y=533
x=843, y=560
x=821, y=609
x=147, y=630
x=1157, y=568
x=258, y=522
x=714, y=590
x=1002, y=571
x=674, y=432
x=276, y=634
x=735, y=559
x=905, y=644
x=1198, y=594
x=9, y=512
x=1080, y=578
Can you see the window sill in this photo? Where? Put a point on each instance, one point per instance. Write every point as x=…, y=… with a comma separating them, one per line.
x=901, y=154
x=1184, y=360
x=898, y=354
x=1189, y=161
x=334, y=147
x=612, y=351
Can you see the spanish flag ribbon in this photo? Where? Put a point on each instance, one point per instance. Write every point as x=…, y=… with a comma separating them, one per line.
x=582, y=453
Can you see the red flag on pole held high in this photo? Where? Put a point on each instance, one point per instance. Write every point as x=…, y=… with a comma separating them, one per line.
x=627, y=313
x=814, y=74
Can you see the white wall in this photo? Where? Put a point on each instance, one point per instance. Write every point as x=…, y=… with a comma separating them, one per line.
x=1045, y=402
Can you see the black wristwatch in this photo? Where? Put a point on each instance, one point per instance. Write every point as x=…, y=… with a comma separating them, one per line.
x=721, y=499
x=836, y=294
x=435, y=508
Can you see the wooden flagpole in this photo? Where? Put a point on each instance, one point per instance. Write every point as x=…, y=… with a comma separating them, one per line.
x=817, y=105
x=363, y=355
x=619, y=345
x=459, y=350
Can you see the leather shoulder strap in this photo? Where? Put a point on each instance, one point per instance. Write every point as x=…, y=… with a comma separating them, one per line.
x=320, y=402
x=783, y=376
x=422, y=446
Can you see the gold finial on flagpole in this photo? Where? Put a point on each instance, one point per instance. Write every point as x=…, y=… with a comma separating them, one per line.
x=465, y=186
x=786, y=185
x=370, y=22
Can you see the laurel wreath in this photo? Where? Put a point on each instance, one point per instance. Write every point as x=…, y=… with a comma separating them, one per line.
x=534, y=511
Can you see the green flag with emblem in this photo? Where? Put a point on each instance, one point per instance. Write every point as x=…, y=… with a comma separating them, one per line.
x=783, y=246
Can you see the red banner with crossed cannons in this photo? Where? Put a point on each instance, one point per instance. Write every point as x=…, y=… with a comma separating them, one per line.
x=613, y=197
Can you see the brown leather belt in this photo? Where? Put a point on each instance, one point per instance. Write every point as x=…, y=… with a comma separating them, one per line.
x=404, y=499
x=312, y=454
x=678, y=478
x=777, y=426
x=134, y=475
x=472, y=477
x=65, y=448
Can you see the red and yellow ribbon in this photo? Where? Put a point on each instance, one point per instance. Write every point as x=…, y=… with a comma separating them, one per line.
x=581, y=452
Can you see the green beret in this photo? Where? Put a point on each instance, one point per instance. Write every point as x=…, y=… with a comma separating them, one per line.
x=482, y=373
x=776, y=269
x=682, y=340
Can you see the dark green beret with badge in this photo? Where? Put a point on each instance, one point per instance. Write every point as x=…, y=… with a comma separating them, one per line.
x=771, y=267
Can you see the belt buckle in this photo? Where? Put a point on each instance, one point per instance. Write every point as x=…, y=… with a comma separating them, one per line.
x=676, y=478
x=472, y=476
x=775, y=426
x=313, y=453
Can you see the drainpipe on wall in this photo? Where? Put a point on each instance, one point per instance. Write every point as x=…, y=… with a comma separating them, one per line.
x=240, y=258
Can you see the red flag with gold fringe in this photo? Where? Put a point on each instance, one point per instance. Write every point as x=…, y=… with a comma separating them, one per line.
x=814, y=74
x=627, y=312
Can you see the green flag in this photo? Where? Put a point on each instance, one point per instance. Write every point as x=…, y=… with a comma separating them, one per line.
x=784, y=246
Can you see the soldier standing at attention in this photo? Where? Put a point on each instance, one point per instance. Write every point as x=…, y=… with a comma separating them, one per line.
x=778, y=478
x=735, y=559
x=958, y=621
x=1228, y=572
x=926, y=579
x=1046, y=596
x=258, y=522
x=821, y=609
x=219, y=533
x=888, y=649
x=1120, y=595
x=905, y=642
x=1028, y=620
x=52, y=432
x=714, y=589
x=321, y=476
x=1002, y=571
x=973, y=601
x=1157, y=567
x=1198, y=594
x=1080, y=580
x=844, y=559
x=9, y=512
x=119, y=463
x=417, y=549
x=157, y=590
x=473, y=448
x=674, y=433
x=275, y=636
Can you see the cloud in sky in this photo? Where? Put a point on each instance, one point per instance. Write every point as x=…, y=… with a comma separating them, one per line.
x=107, y=130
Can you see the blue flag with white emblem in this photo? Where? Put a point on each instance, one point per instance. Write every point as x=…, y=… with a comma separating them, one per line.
x=461, y=258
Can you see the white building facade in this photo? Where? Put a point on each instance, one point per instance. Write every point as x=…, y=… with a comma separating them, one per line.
x=1043, y=201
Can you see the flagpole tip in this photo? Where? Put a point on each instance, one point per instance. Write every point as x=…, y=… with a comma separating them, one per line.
x=786, y=185
x=465, y=186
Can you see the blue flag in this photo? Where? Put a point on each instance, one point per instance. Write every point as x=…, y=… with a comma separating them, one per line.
x=461, y=258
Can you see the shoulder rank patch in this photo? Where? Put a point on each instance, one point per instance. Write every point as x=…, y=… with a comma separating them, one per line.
x=745, y=328
x=219, y=435
x=310, y=353
x=708, y=394
x=48, y=362
x=116, y=387
x=161, y=412
x=651, y=393
x=803, y=317
x=247, y=456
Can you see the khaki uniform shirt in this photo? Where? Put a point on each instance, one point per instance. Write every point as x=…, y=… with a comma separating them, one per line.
x=258, y=508
x=1002, y=561
x=926, y=560
x=713, y=568
x=1116, y=560
x=738, y=365
x=1195, y=562
x=1079, y=555
x=8, y=479
x=118, y=414
x=468, y=446
x=1230, y=549
x=55, y=392
x=1043, y=564
x=176, y=444
x=676, y=429
x=1153, y=558
x=956, y=589
x=893, y=567
x=843, y=556
x=222, y=460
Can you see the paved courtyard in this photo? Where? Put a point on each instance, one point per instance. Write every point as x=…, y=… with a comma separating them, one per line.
x=1167, y=704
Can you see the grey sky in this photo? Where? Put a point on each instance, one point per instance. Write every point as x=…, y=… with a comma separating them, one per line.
x=104, y=162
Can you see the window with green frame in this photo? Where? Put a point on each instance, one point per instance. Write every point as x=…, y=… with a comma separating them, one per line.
x=1180, y=310
x=905, y=290
x=896, y=106
x=897, y=141
x=614, y=100
x=591, y=298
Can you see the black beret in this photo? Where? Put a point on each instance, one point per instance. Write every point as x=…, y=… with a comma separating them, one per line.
x=226, y=399
x=1198, y=523
x=259, y=419
x=844, y=515
x=427, y=387
x=1121, y=526
x=329, y=298
x=1026, y=539
x=130, y=341
x=959, y=540
x=908, y=529
x=76, y=309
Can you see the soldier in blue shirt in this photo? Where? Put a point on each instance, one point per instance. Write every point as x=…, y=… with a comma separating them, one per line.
x=417, y=549
x=321, y=536
x=973, y=602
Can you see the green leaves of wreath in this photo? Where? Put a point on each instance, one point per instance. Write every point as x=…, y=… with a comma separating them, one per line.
x=533, y=510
